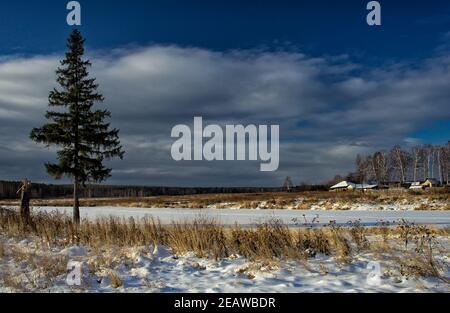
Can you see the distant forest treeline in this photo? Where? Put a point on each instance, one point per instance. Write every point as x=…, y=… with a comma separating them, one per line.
x=8, y=190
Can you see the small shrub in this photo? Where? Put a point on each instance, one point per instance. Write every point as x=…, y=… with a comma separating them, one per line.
x=340, y=243
x=312, y=241
x=406, y=230
x=358, y=234
x=383, y=228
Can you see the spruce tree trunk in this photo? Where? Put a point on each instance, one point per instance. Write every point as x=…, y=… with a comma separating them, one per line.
x=76, y=202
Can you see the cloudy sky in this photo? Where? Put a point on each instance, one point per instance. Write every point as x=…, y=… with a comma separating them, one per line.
x=336, y=86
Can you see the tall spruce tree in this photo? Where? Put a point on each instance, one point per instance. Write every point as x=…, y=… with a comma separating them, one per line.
x=82, y=133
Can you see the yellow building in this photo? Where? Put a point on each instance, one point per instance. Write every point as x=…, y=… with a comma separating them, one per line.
x=430, y=183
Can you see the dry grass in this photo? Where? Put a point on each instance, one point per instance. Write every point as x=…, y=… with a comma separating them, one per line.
x=421, y=261
x=313, y=241
x=268, y=240
x=2, y=249
x=340, y=243
x=41, y=268
x=116, y=281
x=11, y=281
x=269, y=200
x=51, y=265
x=358, y=235
x=271, y=241
x=205, y=237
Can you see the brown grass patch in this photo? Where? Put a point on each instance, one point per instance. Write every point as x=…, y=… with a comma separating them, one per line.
x=273, y=200
x=116, y=281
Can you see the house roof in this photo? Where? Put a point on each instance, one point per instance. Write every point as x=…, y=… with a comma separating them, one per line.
x=346, y=184
x=343, y=184
x=365, y=186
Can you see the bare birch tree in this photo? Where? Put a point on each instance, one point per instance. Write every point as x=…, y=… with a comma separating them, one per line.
x=400, y=160
x=443, y=155
x=417, y=154
x=379, y=166
x=363, y=169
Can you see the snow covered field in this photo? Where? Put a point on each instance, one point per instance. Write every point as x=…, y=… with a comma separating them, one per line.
x=36, y=265
x=150, y=269
x=253, y=216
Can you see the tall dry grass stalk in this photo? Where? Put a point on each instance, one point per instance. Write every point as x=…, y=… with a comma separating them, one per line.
x=268, y=240
x=205, y=237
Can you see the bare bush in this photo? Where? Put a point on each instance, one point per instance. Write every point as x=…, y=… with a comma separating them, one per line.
x=313, y=241
x=340, y=243
x=358, y=235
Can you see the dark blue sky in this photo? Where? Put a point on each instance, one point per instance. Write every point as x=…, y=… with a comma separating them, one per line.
x=336, y=86
x=410, y=29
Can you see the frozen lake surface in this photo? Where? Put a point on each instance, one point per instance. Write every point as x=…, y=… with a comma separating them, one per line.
x=253, y=216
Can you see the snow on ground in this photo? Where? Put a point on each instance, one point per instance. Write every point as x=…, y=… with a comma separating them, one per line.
x=301, y=203
x=149, y=269
x=253, y=216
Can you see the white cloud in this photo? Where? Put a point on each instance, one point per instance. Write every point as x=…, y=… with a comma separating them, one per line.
x=328, y=109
